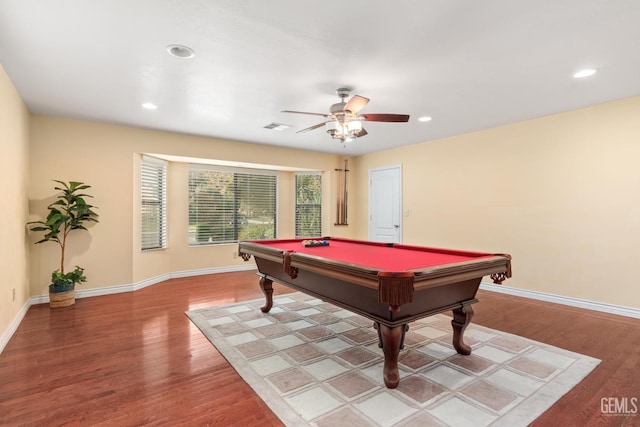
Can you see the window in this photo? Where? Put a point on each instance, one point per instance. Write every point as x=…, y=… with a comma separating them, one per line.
x=153, y=191
x=227, y=205
x=308, y=205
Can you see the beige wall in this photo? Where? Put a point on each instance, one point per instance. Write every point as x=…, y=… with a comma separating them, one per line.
x=559, y=193
x=108, y=158
x=14, y=148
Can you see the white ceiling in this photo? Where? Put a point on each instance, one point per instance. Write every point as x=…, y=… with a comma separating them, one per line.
x=470, y=65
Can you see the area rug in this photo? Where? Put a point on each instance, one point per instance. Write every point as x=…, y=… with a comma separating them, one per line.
x=317, y=364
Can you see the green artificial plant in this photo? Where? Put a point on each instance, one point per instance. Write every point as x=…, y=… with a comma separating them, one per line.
x=69, y=212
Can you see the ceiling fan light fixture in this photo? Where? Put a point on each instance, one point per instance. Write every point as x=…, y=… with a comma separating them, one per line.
x=345, y=120
x=333, y=128
x=345, y=131
x=354, y=127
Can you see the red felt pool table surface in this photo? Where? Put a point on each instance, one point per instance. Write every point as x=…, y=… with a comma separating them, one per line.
x=376, y=255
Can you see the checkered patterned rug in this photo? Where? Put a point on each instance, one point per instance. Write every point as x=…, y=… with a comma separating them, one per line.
x=316, y=364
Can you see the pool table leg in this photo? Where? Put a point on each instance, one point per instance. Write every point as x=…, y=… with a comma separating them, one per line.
x=267, y=289
x=391, y=341
x=461, y=318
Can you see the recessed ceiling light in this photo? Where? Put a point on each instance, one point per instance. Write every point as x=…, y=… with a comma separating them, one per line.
x=180, y=51
x=584, y=73
x=149, y=106
x=424, y=119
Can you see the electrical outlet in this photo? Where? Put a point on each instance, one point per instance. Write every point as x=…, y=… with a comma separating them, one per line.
x=235, y=254
x=14, y=294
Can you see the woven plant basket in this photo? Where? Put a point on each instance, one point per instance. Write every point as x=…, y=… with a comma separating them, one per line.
x=64, y=297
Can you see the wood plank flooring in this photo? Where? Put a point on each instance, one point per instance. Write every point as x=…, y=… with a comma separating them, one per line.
x=136, y=359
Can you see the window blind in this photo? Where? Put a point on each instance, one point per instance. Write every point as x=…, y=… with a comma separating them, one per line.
x=308, y=205
x=154, y=203
x=227, y=205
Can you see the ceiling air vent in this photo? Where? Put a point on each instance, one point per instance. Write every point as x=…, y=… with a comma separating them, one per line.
x=277, y=126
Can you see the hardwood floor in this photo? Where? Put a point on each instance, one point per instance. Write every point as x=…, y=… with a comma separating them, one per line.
x=136, y=359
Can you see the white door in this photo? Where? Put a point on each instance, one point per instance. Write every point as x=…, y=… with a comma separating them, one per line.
x=385, y=204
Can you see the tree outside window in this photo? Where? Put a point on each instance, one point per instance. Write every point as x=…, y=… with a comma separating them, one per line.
x=308, y=205
x=229, y=205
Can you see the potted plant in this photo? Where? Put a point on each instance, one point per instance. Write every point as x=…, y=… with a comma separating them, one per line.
x=69, y=212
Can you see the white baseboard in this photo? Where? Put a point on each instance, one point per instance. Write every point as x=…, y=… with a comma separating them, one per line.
x=570, y=301
x=148, y=282
x=559, y=299
x=6, y=336
x=231, y=269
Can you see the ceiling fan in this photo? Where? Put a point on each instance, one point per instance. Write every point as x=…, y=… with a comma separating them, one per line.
x=344, y=121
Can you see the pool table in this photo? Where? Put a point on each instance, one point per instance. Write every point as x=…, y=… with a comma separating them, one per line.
x=391, y=284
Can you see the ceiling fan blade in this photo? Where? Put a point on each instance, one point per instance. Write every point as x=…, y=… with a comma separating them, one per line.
x=362, y=133
x=356, y=103
x=386, y=117
x=312, y=127
x=304, y=112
